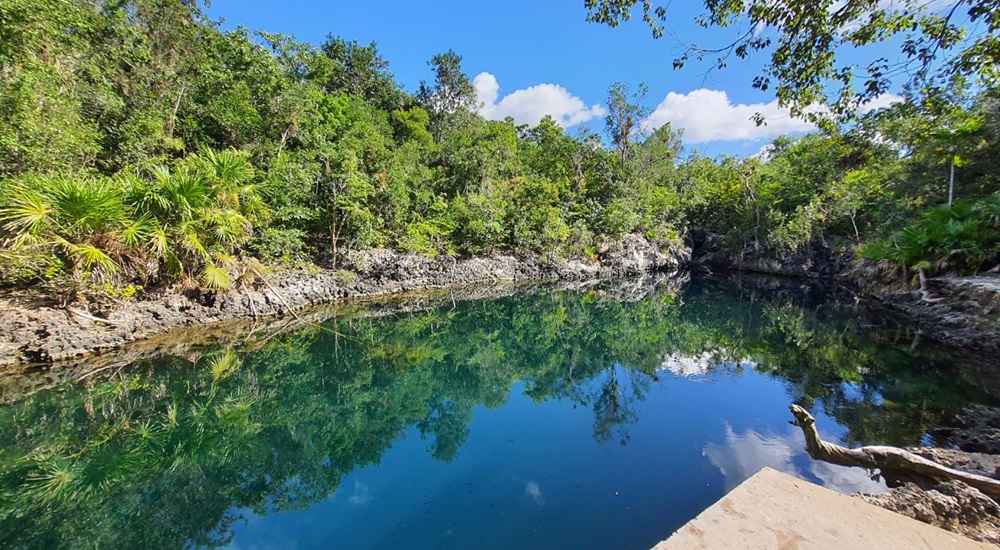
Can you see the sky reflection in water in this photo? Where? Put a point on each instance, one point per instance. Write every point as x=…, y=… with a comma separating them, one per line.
x=592, y=419
x=533, y=475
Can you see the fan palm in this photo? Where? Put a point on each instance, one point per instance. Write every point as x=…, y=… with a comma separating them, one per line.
x=206, y=208
x=192, y=217
x=83, y=221
x=963, y=236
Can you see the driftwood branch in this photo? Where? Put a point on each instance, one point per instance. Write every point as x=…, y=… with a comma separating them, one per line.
x=894, y=464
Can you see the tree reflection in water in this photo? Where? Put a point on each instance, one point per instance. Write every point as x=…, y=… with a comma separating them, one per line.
x=162, y=452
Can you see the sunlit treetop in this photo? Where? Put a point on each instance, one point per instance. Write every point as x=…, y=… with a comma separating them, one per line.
x=938, y=41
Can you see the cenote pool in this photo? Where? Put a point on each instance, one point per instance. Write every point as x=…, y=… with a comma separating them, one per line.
x=597, y=418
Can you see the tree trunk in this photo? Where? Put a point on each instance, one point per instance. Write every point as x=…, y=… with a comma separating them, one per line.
x=333, y=244
x=284, y=139
x=756, y=208
x=951, y=181
x=172, y=121
x=896, y=465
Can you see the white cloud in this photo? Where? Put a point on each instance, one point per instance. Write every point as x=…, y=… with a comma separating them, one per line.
x=535, y=492
x=693, y=366
x=530, y=105
x=880, y=102
x=361, y=495
x=709, y=115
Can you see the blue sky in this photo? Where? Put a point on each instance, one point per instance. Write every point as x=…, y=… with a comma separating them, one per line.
x=532, y=57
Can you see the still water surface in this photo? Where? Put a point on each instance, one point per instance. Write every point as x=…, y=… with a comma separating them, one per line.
x=603, y=418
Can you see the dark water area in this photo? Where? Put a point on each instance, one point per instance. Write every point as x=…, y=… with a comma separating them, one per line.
x=597, y=418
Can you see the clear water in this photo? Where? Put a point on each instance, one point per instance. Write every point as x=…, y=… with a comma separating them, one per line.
x=587, y=419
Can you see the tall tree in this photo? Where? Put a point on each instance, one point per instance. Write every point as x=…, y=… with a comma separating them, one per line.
x=361, y=71
x=449, y=95
x=625, y=114
x=954, y=139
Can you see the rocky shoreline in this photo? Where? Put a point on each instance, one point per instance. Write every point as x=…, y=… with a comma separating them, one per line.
x=34, y=330
x=176, y=321
x=816, y=260
x=960, y=313
x=965, y=316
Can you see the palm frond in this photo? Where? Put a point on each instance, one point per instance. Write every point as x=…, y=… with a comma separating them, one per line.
x=28, y=213
x=137, y=231
x=55, y=480
x=224, y=365
x=91, y=257
x=214, y=277
x=84, y=206
x=158, y=241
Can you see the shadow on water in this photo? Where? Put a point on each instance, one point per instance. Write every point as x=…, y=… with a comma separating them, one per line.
x=171, y=452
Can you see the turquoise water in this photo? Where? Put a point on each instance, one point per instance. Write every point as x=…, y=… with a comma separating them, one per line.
x=603, y=418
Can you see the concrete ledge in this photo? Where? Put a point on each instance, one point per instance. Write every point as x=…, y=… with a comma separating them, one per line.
x=772, y=510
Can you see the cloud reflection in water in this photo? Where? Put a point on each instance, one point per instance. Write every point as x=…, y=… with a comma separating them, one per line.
x=741, y=455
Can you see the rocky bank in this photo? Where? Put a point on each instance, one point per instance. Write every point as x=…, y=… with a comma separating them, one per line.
x=961, y=313
x=816, y=260
x=953, y=505
x=36, y=330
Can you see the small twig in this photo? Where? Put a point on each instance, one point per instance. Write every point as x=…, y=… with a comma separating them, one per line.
x=102, y=369
x=253, y=308
x=276, y=295
x=89, y=317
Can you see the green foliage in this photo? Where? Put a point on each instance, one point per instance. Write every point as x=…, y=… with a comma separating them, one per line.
x=205, y=209
x=360, y=71
x=625, y=113
x=450, y=96
x=536, y=221
x=141, y=142
x=837, y=186
x=191, y=217
x=964, y=237
x=77, y=220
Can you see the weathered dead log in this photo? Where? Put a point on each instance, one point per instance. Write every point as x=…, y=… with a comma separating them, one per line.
x=894, y=464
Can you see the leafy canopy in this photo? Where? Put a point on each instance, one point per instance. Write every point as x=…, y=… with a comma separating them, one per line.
x=806, y=42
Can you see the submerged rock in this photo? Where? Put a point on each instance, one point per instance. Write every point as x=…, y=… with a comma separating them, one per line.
x=978, y=431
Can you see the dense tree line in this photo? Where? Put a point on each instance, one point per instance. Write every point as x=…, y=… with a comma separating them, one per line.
x=886, y=172
x=142, y=143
